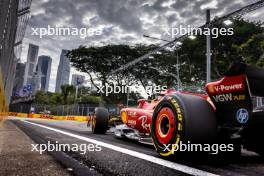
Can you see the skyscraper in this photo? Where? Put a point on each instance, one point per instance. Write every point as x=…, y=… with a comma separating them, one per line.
x=31, y=65
x=77, y=79
x=19, y=79
x=63, y=72
x=43, y=71
x=14, y=17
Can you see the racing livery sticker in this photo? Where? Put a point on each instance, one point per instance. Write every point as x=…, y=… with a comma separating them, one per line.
x=144, y=123
x=228, y=97
x=132, y=122
x=132, y=113
x=227, y=85
x=224, y=88
x=242, y=116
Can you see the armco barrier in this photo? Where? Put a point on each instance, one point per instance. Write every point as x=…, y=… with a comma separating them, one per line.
x=52, y=117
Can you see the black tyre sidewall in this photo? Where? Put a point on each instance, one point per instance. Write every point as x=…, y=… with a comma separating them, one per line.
x=198, y=120
x=100, y=119
x=167, y=101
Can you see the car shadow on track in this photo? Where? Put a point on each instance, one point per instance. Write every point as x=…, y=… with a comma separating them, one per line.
x=217, y=160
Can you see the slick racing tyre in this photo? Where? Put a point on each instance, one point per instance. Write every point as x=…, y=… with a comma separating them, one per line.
x=252, y=140
x=100, y=121
x=252, y=134
x=182, y=118
x=255, y=144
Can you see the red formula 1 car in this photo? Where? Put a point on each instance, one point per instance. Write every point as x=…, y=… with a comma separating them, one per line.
x=224, y=115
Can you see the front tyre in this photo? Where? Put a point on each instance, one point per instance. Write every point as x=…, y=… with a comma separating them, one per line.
x=100, y=121
x=182, y=118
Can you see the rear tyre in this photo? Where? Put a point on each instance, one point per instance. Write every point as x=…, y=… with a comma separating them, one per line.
x=252, y=134
x=182, y=118
x=255, y=146
x=253, y=141
x=100, y=121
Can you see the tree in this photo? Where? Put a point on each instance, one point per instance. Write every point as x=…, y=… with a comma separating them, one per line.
x=41, y=97
x=253, y=50
x=225, y=49
x=56, y=99
x=99, y=62
x=67, y=92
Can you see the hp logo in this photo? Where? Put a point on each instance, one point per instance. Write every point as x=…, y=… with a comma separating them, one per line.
x=242, y=116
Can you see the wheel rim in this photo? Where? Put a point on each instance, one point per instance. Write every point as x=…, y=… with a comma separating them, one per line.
x=165, y=126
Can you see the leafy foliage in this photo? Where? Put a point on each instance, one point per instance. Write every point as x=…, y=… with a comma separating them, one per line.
x=98, y=62
x=66, y=97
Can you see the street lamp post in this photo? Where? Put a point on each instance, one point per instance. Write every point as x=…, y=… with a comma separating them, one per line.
x=208, y=49
x=76, y=92
x=127, y=102
x=178, y=71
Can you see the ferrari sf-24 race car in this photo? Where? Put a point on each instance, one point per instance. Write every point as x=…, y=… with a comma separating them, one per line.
x=224, y=115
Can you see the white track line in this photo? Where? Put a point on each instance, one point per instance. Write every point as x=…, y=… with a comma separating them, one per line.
x=159, y=161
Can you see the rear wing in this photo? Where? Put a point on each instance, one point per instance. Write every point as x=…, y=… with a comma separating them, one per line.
x=255, y=77
x=232, y=95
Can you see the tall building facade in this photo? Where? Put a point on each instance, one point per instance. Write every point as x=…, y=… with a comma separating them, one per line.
x=63, y=72
x=77, y=79
x=43, y=72
x=14, y=16
x=31, y=65
x=19, y=79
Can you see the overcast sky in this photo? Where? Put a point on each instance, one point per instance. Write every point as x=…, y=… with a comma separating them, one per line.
x=121, y=21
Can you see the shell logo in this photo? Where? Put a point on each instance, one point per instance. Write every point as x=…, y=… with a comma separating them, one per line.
x=211, y=88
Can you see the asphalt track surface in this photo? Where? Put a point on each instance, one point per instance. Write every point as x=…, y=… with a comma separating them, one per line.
x=123, y=157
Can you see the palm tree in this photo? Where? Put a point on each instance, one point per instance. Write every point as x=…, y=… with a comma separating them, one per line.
x=66, y=91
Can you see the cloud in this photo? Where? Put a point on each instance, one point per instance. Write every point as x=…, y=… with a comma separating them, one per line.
x=121, y=21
